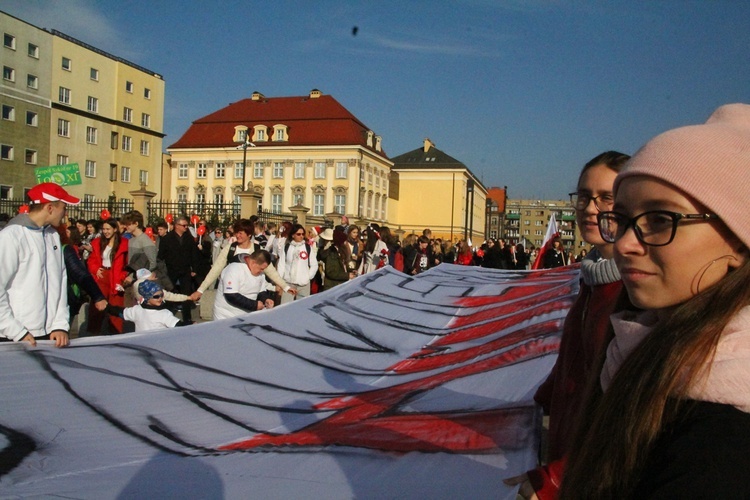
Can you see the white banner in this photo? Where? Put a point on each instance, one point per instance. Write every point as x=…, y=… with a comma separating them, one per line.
x=386, y=386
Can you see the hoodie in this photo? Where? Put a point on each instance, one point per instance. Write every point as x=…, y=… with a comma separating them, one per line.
x=33, y=282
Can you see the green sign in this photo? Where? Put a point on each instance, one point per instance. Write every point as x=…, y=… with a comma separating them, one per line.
x=64, y=175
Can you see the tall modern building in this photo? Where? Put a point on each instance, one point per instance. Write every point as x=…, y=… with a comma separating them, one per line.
x=66, y=102
x=289, y=151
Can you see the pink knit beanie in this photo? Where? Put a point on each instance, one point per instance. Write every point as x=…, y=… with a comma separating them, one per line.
x=709, y=162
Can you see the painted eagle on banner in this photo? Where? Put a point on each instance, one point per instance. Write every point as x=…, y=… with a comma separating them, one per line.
x=385, y=386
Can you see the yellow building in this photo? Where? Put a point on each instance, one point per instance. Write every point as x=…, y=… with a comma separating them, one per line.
x=74, y=103
x=430, y=189
x=298, y=151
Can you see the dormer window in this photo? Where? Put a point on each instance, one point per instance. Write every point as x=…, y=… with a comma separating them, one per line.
x=240, y=134
x=280, y=133
x=260, y=133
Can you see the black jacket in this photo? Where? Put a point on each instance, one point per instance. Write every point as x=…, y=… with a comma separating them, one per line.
x=180, y=254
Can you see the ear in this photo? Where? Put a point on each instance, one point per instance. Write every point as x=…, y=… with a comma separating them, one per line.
x=739, y=257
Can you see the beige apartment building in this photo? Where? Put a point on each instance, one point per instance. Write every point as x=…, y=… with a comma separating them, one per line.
x=97, y=110
x=526, y=221
x=306, y=151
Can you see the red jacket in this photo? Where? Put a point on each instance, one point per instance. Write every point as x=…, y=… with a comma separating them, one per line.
x=119, y=261
x=586, y=334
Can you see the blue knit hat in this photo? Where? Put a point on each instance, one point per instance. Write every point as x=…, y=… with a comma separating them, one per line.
x=148, y=289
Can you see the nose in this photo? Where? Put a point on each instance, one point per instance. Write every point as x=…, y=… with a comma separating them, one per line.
x=629, y=243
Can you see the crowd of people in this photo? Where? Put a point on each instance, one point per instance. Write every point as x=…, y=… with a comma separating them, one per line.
x=650, y=393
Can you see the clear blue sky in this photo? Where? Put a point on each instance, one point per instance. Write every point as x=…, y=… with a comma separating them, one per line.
x=522, y=92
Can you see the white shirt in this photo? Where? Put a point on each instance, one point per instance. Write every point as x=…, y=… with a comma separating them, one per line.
x=149, y=319
x=236, y=278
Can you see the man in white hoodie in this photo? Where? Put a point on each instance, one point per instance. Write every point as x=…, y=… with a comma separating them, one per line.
x=33, y=282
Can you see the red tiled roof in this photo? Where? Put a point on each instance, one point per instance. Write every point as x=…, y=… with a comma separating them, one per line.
x=310, y=122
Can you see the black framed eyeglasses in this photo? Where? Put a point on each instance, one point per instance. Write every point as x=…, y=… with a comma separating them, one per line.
x=655, y=228
x=580, y=201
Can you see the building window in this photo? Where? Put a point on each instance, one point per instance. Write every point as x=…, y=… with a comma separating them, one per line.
x=127, y=143
x=145, y=148
x=143, y=177
x=319, y=204
x=278, y=170
x=90, y=170
x=9, y=113
x=129, y=87
x=219, y=198
x=145, y=120
x=127, y=115
x=238, y=169
x=260, y=135
x=6, y=192
x=220, y=170
x=112, y=172
x=339, y=203
x=6, y=152
x=9, y=41
x=62, y=160
x=64, y=95
x=369, y=177
x=9, y=74
x=341, y=168
x=125, y=174
x=32, y=119
x=200, y=198
x=258, y=170
x=147, y=93
x=200, y=173
x=67, y=64
x=182, y=171
x=33, y=51
x=299, y=170
x=93, y=104
x=298, y=199
x=320, y=170
x=276, y=203
x=32, y=81
x=63, y=127
x=94, y=74
x=182, y=197
x=114, y=141
x=91, y=135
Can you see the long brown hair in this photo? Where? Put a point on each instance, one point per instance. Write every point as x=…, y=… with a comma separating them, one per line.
x=618, y=428
x=103, y=242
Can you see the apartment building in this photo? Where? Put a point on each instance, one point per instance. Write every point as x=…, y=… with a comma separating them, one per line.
x=93, y=109
x=526, y=221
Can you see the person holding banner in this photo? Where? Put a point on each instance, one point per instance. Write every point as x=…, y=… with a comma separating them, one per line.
x=586, y=327
x=669, y=416
x=33, y=282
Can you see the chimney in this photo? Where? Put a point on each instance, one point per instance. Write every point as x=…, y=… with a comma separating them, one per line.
x=428, y=144
x=315, y=93
x=257, y=96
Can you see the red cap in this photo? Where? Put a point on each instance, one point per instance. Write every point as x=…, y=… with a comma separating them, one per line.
x=49, y=191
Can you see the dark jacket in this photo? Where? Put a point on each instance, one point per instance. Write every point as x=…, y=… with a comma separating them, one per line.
x=335, y=270
x=703, y=453
x=180, y=254
x=79, y=277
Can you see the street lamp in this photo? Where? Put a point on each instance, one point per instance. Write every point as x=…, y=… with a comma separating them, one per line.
x=244, y=145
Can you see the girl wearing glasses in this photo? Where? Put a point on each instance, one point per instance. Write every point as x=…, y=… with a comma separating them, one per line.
x=670, y=413
x=585, y=332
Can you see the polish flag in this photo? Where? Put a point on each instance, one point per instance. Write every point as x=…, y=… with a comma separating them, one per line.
x=552, y=233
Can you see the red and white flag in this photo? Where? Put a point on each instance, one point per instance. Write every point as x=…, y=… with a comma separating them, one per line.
x=552, y=233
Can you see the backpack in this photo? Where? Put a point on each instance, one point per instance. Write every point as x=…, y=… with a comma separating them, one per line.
x=398, y=260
